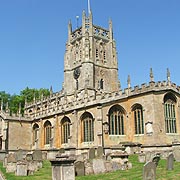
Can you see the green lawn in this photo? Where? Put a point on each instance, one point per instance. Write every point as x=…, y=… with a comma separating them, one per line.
x=133, y=174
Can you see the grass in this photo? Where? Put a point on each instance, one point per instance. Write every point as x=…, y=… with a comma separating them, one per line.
x=43, y=174
x=135, y=173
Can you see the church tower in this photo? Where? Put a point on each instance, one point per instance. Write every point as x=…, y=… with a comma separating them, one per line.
x=90, y=60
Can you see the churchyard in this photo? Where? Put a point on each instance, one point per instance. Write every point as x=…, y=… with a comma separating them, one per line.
x=136, y=172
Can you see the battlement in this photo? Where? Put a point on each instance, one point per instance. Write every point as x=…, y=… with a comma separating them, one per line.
x=61, y=102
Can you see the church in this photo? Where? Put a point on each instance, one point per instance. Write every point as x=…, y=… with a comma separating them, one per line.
x=92, y=110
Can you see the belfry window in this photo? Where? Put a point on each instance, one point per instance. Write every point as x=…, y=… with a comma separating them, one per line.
x=138, y=119
x=87, y=127
x=170, y=113
x=116, y=120
x=47, y=132
x=97, y=53
x=65, y=130
x=101, y=84
x=35, y=133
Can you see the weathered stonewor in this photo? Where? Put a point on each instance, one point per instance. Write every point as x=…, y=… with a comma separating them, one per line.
x=142, y=158
x=11, y=163
x=149, y=171
x=170, y=162
x=100, y=152
x=63, y=168
x=37, y=155
x=21, y=168
x=99, y=166
x=91, y=153
x=79, y=168
x=20, y=154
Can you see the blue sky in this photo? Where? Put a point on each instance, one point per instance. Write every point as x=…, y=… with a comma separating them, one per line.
x=33, y=34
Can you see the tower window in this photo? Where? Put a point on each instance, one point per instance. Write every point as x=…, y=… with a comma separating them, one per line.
x=170, y=113
x=35, y=133
x=97, y=53
x=101, y=84
x=104, y=55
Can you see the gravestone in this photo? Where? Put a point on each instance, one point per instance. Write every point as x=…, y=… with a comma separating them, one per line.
x=37, y=155
x=21, y=168
x=170, y=162
x=149, y=171
x=156, y=159
x=142, y=158
x=148, y=156
x=100, y=152
x=79, y=168
x=176, y=153
x=11, y=158
x=5, y=162
x=29, y=157
x=20, y=155
x=91, y=153
x=98, y=166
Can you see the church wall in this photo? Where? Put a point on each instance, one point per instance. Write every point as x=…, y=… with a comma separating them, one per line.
x=19, y=135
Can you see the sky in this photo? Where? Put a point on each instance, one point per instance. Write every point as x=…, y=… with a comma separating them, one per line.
x=33, y=34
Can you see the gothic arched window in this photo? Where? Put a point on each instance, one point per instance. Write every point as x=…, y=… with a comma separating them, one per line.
x=170, y=113
x=47, y=132
x=65, y=130
x=116, y=120
x=138, y=119
x=35, y=132
x=87, y=127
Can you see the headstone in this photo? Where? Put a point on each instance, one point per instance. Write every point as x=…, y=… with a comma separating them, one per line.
x=11, y=158
x=37, y=155
x=149, y=171
x=115, y=166
x=79, y=168
x=142, y=158
x=128, y=150
x=148, y=156
x=170, y=162
x=100, y=152
x=11, y=167
x=5, y=162
x=29, y=157
x=176, y=153
x=98, y=166
x=88, y=168
x=20, y=155
x=21, y=168
x=156, y=159
x=91, y=153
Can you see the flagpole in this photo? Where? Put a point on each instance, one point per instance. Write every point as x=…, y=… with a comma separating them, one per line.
x=89, y=9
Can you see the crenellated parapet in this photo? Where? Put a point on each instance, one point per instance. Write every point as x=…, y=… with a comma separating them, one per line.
x=59, y=103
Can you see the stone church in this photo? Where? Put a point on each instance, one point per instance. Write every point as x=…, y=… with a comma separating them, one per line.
x=92, y=110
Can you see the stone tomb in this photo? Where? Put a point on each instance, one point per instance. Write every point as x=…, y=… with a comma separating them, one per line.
x=149, y=171
x=170, y=162
x=21, y=168
x=63, y=168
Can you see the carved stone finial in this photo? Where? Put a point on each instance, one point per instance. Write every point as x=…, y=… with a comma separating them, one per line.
x=129, y=81
x=7, y=107
x=151, y=75
x=2, y=104
x=19, y=112
x=168, y=75
x=51, y=90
